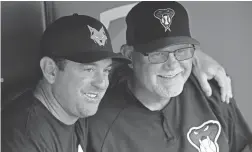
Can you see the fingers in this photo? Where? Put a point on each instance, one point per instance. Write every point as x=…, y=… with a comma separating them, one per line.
x=202, y=78
x=228, y=88
x=224, y=83
x=229, y=92
x=220, y=78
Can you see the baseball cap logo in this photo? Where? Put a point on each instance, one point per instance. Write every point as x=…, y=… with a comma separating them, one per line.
x=99, y=37
x=165, y=16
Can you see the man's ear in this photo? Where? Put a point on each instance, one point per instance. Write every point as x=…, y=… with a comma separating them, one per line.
x=49, y=69
x=127, y=52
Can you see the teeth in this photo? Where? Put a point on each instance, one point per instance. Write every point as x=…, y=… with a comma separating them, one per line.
x=171, y=74
x=91, y=95
x=167, y=76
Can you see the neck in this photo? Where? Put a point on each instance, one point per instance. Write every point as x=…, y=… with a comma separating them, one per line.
x=43, y=93
x=150, y=100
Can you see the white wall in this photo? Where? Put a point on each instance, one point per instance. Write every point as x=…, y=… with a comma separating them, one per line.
x=223, y=28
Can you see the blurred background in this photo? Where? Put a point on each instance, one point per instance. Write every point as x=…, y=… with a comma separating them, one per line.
x=223, y=28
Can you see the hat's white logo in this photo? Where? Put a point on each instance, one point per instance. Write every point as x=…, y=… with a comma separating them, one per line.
x=165, y=16
x=204, y=137
x=99, y=37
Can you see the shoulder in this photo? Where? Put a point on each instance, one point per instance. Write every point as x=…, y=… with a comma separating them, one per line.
x=228, y=114
x=214, y=101
x=23, y=123
x=18, y=111
x=231, y=118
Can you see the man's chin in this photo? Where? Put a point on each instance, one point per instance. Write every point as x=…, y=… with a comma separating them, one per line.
x=173, y=91
x=176, y=93
x=88, y=113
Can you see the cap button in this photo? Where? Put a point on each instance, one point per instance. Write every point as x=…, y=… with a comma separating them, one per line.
x=75, y=14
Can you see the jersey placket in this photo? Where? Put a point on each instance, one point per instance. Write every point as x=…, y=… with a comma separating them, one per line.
x=170, y=138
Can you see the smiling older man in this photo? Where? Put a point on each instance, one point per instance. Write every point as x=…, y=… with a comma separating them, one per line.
x=161, y=106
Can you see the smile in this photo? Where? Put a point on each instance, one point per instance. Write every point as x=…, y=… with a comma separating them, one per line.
x=93, y=98
x=170, y=76
x=91, y=95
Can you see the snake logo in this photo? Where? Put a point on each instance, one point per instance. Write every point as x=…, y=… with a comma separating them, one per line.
x=204, y=137
x=165, y=16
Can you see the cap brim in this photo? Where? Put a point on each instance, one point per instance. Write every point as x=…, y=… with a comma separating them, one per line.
x=164, y=42
x=93, y=56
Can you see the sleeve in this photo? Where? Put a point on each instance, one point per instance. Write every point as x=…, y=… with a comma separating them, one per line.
x=240, y=136
x=18, y=142
x=16, y=137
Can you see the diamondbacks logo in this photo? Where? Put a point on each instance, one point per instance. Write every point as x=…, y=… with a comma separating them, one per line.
x=165, y=16
x=204, y=137
x=99, y=37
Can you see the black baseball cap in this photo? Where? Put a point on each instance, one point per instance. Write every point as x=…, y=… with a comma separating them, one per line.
x=152, y=25
x=78, y=38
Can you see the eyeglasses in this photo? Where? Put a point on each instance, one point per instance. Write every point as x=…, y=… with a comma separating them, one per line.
x=162, y=56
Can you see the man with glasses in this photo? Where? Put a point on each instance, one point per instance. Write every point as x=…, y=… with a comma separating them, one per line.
x=161, y=107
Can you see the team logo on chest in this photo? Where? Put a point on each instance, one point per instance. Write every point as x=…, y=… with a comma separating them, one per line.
x=165, y=16
x=204, y=137
x=99, y=37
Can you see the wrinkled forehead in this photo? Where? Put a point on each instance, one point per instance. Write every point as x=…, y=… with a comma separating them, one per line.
x=172, y=48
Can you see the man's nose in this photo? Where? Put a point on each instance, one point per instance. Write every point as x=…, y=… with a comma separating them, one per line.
x=100, y=81
x=171, y=62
